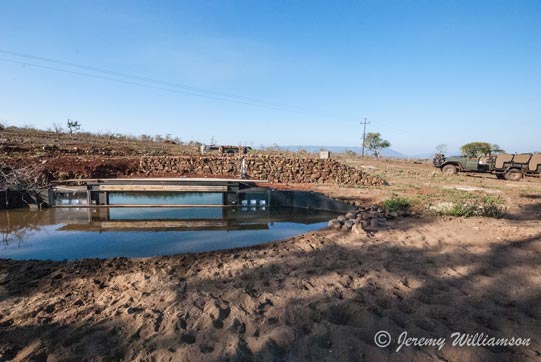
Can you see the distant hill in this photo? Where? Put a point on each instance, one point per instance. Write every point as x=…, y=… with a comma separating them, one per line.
x=422, y=155
x=430, y=155
x=387, y=152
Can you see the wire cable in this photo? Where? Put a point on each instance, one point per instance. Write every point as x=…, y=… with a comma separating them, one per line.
x=186, y=89
x=148, y=85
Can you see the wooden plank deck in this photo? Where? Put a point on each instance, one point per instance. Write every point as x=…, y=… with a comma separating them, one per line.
x=163, y=179
x=161, y=188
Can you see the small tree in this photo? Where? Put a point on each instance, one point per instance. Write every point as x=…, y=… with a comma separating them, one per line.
x=441, y=148
x=349, y=153
x=497, y=149
x=375, y=143
x=73, y=126
x=478, y=149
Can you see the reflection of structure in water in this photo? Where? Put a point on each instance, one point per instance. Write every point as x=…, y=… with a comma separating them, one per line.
x=175, y=219
x=16, y=223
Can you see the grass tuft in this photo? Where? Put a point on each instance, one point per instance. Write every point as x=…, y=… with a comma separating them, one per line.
x=396, y=203
x=486, y=206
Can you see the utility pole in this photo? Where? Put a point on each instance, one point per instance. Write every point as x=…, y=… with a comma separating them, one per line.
x=364, y=123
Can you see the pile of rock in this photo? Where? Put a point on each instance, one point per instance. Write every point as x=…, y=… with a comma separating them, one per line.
x=275, y=169
x=365, y=219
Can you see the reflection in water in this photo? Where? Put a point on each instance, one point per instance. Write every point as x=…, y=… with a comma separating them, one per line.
x=59, y=234
x=9, y=235
x=15, y=226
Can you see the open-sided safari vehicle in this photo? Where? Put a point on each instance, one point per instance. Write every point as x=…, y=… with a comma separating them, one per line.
x=505, y=166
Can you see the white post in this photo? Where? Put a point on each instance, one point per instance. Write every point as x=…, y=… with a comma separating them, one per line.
x=243, y=168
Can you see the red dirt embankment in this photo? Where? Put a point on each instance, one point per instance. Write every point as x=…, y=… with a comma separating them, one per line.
x=274, y=169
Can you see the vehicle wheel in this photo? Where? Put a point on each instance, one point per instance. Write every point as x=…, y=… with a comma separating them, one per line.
x=449, y=170
x=500, y=176
x=513, y=175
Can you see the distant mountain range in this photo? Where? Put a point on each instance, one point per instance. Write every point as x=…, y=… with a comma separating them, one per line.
x=386, y=152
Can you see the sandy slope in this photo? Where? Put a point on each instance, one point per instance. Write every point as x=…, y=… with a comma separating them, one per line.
x=321, y=296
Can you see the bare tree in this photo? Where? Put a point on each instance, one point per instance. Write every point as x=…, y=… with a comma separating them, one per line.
x=57, y=128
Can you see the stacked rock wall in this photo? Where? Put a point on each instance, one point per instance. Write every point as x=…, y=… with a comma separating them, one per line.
x=271, y=168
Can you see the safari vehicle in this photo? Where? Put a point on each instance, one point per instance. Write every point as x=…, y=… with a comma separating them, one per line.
x=505, y=166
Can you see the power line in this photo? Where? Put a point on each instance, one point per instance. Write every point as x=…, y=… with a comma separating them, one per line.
x=147, y=85
x=185, y=89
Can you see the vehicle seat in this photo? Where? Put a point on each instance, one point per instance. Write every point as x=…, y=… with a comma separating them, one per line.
x=503, y=158
x=522, y=158
x=535, y=161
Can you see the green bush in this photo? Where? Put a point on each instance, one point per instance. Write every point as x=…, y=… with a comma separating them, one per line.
x=486, y=206
x=396, y=203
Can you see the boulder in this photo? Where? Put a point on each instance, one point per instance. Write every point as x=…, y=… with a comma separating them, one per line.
x=348, y=224
x=335, y=224
x=358, y=229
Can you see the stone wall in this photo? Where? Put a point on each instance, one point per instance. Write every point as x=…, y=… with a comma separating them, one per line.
x=272, y=168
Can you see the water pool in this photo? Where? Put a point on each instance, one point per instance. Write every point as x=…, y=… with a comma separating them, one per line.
x=105, y=232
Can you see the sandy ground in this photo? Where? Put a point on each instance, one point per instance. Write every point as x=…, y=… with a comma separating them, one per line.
x=320, y=296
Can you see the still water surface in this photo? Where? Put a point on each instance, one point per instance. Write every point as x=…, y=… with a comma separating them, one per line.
x=59, y=234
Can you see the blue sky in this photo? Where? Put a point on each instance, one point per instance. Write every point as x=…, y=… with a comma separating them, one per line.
x=422, y=72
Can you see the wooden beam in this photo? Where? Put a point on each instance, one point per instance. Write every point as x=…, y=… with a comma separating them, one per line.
x=163, y=179
x=161, y=188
